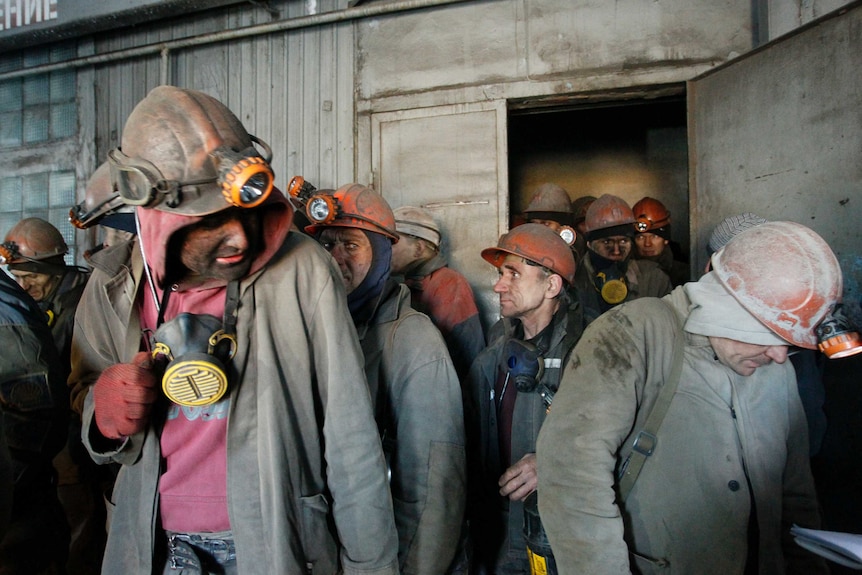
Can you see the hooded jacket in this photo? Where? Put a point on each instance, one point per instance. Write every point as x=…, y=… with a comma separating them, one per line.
x=726, y=442
x=306, y=481
x=419, y=412
x=445, y=296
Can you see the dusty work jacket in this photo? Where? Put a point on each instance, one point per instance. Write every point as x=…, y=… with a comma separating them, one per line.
x=303, y=455
x=726, y=442
x=497, y=524
x=445, y=296
x=34, y=419
x=419, y=412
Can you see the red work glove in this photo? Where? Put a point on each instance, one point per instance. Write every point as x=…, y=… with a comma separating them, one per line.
x=123, y=396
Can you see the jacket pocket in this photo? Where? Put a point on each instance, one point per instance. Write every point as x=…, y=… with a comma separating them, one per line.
x=318, y=542
x=647, y=564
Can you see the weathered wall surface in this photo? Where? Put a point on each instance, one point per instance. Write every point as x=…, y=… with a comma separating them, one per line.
x=779, y=133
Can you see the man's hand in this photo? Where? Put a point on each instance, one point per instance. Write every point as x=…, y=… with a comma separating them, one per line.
x=520, y=479
x=123, y=396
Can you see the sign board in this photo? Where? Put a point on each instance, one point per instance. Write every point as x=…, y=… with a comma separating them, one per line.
x=26, y=23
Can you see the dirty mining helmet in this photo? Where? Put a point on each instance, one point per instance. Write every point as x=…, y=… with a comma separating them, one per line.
x=418, y=223
x=552, y=202
x=34, y=245
x=185, y=152
x=350, y=206
x=609, y=216
x=102, y=204
x=537, y=244
x=651, y=216
x=786, y=276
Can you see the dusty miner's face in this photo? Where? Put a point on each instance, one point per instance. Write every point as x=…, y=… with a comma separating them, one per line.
x=352, y=251
x=222, y=245
x=745, y=358
x=39, y=286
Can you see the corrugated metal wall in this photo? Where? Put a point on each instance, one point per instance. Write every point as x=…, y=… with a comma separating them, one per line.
x=292, y=89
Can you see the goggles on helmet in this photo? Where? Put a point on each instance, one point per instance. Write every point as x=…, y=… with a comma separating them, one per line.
x=246, y=178
x=836, y=336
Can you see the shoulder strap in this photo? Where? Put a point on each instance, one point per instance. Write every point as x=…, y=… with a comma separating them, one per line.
x=645, y=440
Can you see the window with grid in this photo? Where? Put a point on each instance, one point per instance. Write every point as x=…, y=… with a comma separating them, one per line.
x=36, y=111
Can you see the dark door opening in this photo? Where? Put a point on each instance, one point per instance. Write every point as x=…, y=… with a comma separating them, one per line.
x=631, y=149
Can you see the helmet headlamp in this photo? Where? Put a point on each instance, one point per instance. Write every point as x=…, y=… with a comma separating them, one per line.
x=568, y=235
x=642, y=225
x=836, y=336
x=82, y=219
x=321, y=209
x=8, y=252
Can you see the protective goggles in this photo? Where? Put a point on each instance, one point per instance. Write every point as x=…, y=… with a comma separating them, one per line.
x=246, y=178
x=836, y=336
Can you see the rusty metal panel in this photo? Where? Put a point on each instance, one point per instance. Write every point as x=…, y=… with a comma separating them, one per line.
x=448, y=160
x=779, y=133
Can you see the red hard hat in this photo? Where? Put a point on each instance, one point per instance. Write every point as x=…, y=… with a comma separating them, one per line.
x=650, y=215
x=351, y=206
x=785, y=275
x=538, y=244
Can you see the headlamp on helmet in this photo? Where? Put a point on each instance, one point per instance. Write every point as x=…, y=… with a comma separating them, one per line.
x=321, y=208
x=8, y=252
x=836, y=336
x=568, y=234
x=82, y=219
x=300, y=189
x=245, y=177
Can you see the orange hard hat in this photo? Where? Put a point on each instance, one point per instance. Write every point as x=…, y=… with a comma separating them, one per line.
x=538, y=244
x=650, y=215
x=351, y=206
x=785, y=275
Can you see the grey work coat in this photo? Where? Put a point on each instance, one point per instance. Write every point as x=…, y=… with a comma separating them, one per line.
x=726, y=441
x=419, y=412
x=306, y=477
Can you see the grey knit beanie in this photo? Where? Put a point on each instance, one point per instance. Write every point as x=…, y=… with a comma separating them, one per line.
x=729, y=227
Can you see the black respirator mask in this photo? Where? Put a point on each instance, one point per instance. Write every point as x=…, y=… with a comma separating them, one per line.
x=524, y=363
